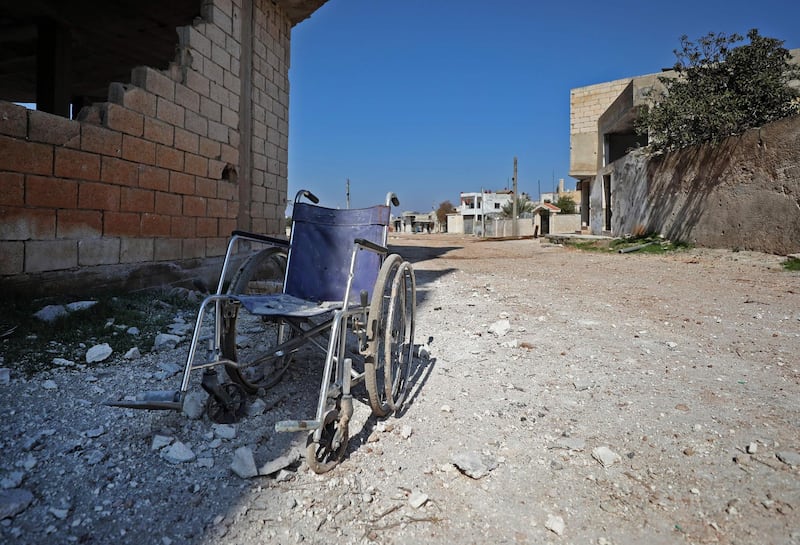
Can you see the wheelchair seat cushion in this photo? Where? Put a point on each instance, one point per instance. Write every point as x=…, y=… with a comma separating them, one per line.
x=282, y=304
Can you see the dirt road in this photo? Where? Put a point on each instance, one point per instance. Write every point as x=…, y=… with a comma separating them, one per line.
x=594, y=398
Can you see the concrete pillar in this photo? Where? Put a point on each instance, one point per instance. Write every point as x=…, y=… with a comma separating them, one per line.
x=53, y=67
x=244, y=221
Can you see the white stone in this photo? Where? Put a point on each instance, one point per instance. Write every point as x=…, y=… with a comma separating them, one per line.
x=417, y=499
x=243, y=464
x=165, y=341
x=133, y=354
x=160, y=441
x=194, y=404
x=98, y=352
x=224, y=431
x=500, y=327
x=51, y=313
x=178, y=453
x=605, y=456
x=49, y=385
x=80, y=305
x=555, y=524
x=406, y=431
x=61, y=362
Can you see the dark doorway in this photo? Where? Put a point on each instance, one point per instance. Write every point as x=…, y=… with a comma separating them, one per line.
x=607, y=203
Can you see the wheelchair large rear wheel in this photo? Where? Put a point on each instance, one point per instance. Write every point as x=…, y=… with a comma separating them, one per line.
x=375, y=367
x=262, y=273
x=399, y=335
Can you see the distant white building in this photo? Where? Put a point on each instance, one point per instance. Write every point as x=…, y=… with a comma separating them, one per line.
x=475, y=208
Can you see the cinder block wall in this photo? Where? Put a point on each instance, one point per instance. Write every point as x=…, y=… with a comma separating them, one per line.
x=586, y=105
x=156, y=173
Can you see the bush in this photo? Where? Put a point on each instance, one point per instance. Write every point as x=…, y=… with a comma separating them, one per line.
x=719, y=91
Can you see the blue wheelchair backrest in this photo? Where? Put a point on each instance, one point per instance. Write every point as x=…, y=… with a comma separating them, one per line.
x=322, y=244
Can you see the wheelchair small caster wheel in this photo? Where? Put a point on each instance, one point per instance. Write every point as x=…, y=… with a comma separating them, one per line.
x=227, y=406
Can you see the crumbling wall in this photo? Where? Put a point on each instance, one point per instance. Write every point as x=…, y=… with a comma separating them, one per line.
x=162, y=172
x=743, y=193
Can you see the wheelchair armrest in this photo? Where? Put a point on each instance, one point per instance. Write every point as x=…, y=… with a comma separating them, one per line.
x=261, y=238
x=366, y=244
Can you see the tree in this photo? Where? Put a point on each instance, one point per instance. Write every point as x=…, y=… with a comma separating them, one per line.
x=567, y=204
x=719, y=91
x=445, y=207
x=524, y=206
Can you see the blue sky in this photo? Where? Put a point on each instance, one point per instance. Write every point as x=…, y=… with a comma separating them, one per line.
x=429, y=98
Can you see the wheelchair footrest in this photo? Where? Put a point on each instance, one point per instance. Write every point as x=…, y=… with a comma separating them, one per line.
x=165, y=400
x=297, y=425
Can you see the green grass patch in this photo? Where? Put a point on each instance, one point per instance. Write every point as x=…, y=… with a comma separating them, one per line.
x=29, y=344
x=792, y=264
x=646, y=244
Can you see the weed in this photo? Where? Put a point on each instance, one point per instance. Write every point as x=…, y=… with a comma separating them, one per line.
x=29, y=344
x=792, y=264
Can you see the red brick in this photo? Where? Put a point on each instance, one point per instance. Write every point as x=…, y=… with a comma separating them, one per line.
x=13, y=119
x=182, y=227
x=197, y=124
x=133, y=98
x=228, y=191
x=226, y=227
x=137, y=200
x=158, y=131
x=209, y=148
x=79, y=224
x=194, y=206
x=207, y=227
x=124, y=120
x=12, y=188
x=181, y=183
x=156, y=225
x=50, y=192
x=186, y=141
x=27, y=223
x=117, y=171
x=53, y=129
x=100, y=140
x=28, y=157
x=121, y=224
x=205, y=187
x=171, y=113
x=138, y=150
x=233, y=209
x=153, y=81
x=187, y=98
x=168, y=204
x=97, y=196
x=215, y=169
x=170, y=158
x=217, y=208
x=153, y=178
x=196, y=165
x=77, y=164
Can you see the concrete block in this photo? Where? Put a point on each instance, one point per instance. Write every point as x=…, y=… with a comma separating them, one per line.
x=102, y=251
x=13, y=120
x=50, y=255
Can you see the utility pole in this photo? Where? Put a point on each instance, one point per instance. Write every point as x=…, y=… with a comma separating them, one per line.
x=515, y=200
x=348, y=193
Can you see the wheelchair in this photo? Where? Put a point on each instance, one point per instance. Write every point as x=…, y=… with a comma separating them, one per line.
x=333, y=287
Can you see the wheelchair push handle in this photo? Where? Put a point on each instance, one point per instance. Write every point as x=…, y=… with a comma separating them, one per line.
x=307, y=194
x=391, y=199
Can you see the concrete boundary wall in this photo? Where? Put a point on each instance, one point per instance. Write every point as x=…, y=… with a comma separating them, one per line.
x=741, y=194
x=156, y=173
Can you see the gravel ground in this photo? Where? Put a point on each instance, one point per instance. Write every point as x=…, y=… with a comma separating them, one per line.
x=560, y=396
